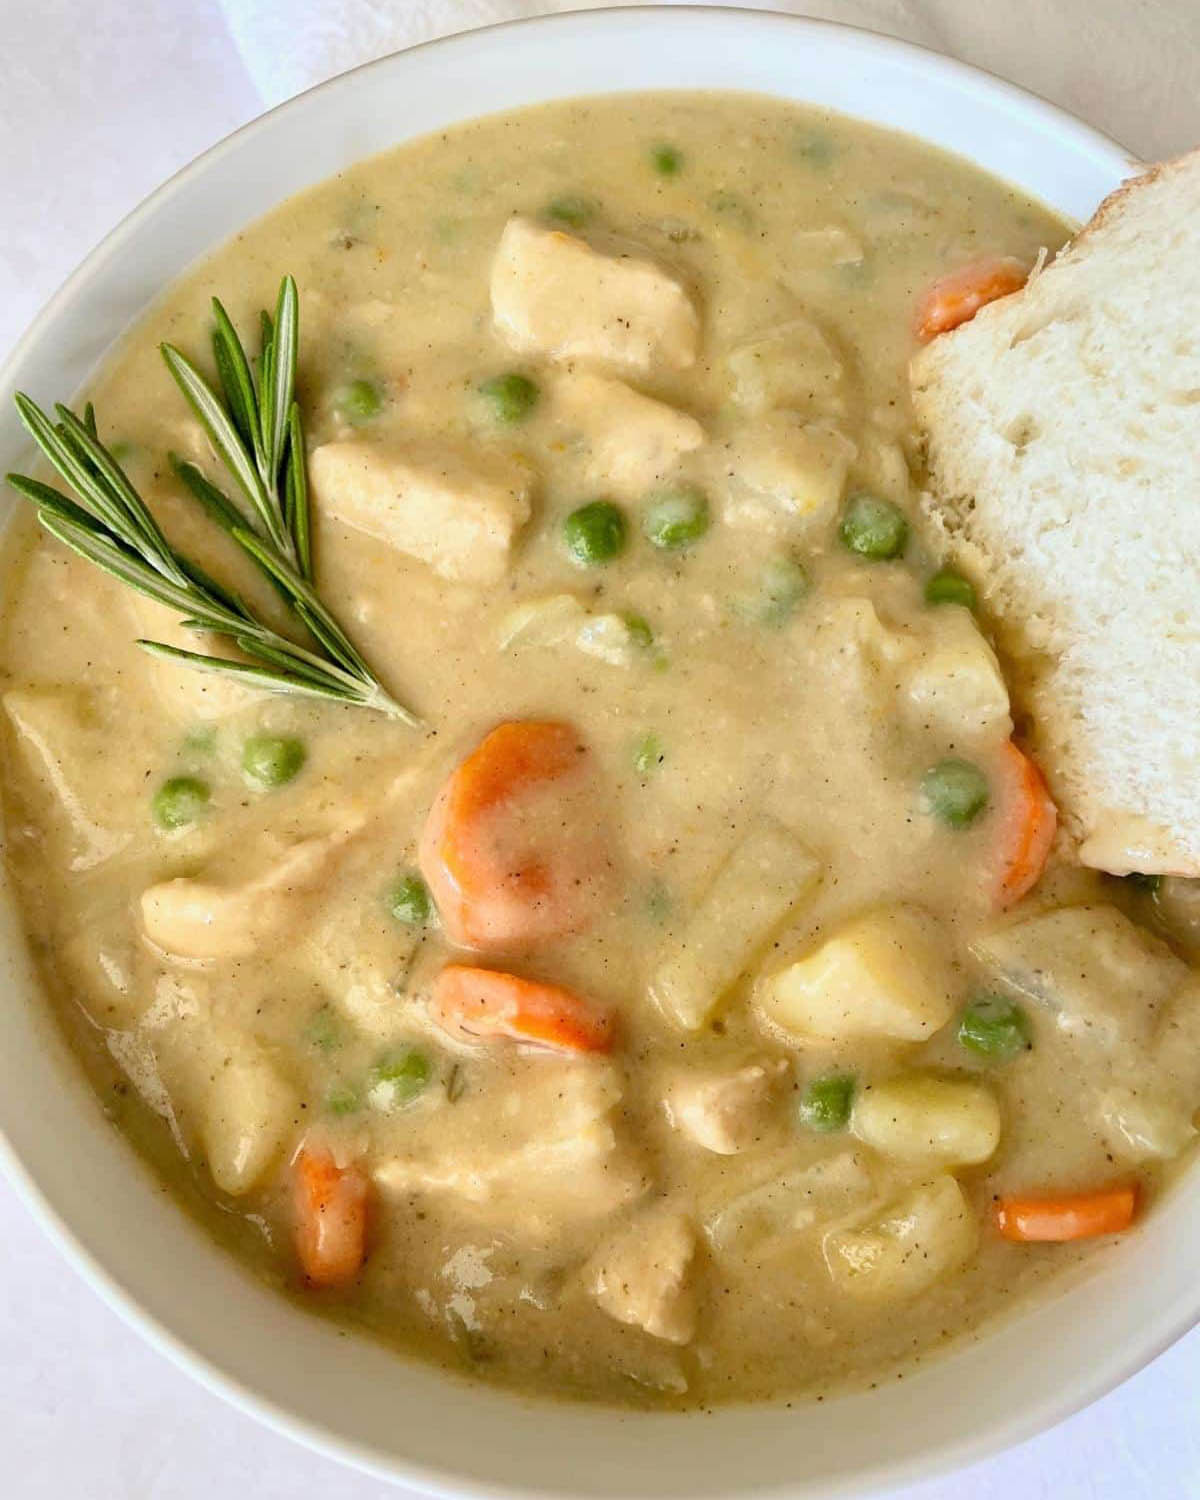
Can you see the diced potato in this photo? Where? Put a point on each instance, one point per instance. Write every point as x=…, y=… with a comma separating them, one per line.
x=794, y=366
x=724, y=1112
x=1103, y=978
x=248, y=1113
x=644, y=1275
x=553, y=294
x=765, y=878
x=542, y=622
x=920, y=1118
x=59, y=734
x=1147, y=1121
x=922, y=1236
x=783, y=466
x=955, y=687
x=460, y=515
x=793, y=1202
x=559, y=619
x=630, y=440
x=885, y=973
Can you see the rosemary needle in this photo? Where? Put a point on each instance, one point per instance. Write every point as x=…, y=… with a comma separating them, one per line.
x=254, y=425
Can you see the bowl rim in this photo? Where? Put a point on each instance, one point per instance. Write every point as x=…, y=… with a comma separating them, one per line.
x=948, y=1456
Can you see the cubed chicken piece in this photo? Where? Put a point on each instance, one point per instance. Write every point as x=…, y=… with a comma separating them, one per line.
x=1103, y=978
x=554, y=294
x=795, y=1201
x=927, y=1233
x=645, y=1275
x=184, y=691
x=61, y=738
x=247, y=1115
x=795, y=366
x=918, y=1118
x=764, y=879
x=782, y=468
x=724, y=1112
x=195, y=919
x=459, y=515
x=629, y=440
x=536, y=1154
x=885, y=973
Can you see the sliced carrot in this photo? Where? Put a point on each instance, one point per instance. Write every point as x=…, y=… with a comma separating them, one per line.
x=502, y=875
x=1078, y=1216
x=330, y=1205
x=956, y=298
x=1029, y=822
x=488, y=1003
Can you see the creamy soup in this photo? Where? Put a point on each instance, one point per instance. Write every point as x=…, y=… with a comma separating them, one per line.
x=681, y=1011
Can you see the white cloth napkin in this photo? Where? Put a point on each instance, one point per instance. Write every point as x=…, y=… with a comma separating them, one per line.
x=1130, y=67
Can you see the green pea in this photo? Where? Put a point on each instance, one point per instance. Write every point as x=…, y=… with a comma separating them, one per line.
x=666, y=160
x=1149, y=884
x=570, y=209
x=272, y=759
x=397, y=1079
x=783, y=583
x=955, y=791
x=595, y=533
x=648, y=754
x=359, y=401
x=825, y=1103
x=410, y=902
x=994, y=1027
x=323, y=1031
x=873, y=528
x=180, y=802
x=511, y=397
x=675, y=517
x=341, y=1099
x=947, y=586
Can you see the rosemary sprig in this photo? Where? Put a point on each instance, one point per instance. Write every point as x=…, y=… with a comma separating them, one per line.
x=255, y=427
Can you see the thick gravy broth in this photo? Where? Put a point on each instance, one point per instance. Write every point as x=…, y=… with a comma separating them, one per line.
x=747, y=1154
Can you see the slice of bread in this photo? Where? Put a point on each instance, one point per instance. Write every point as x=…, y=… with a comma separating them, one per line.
x=1063, y=430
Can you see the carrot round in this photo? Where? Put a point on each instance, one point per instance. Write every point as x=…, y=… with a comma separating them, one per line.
x=1077, y=1216
x=502, y=875
x=330, y=1204
x=957, y=297
x=488, y=1003
x=1028, y=823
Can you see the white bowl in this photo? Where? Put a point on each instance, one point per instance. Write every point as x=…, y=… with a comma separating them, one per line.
x=347, y=1396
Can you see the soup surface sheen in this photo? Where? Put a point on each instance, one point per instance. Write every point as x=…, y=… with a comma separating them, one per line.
x=765, y=823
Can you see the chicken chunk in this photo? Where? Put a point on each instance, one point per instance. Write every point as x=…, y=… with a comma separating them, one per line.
x=460, y=516
x=540, y=1153
x=795, y=366
x=724, y=1112
x=196, y=919
x=630, y=440
x=782, y=468
x=644, y=1275
x=554, y=294
x=185, y=692
x=955, y=687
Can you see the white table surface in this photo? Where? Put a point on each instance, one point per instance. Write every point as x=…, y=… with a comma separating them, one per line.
x=99, y=102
